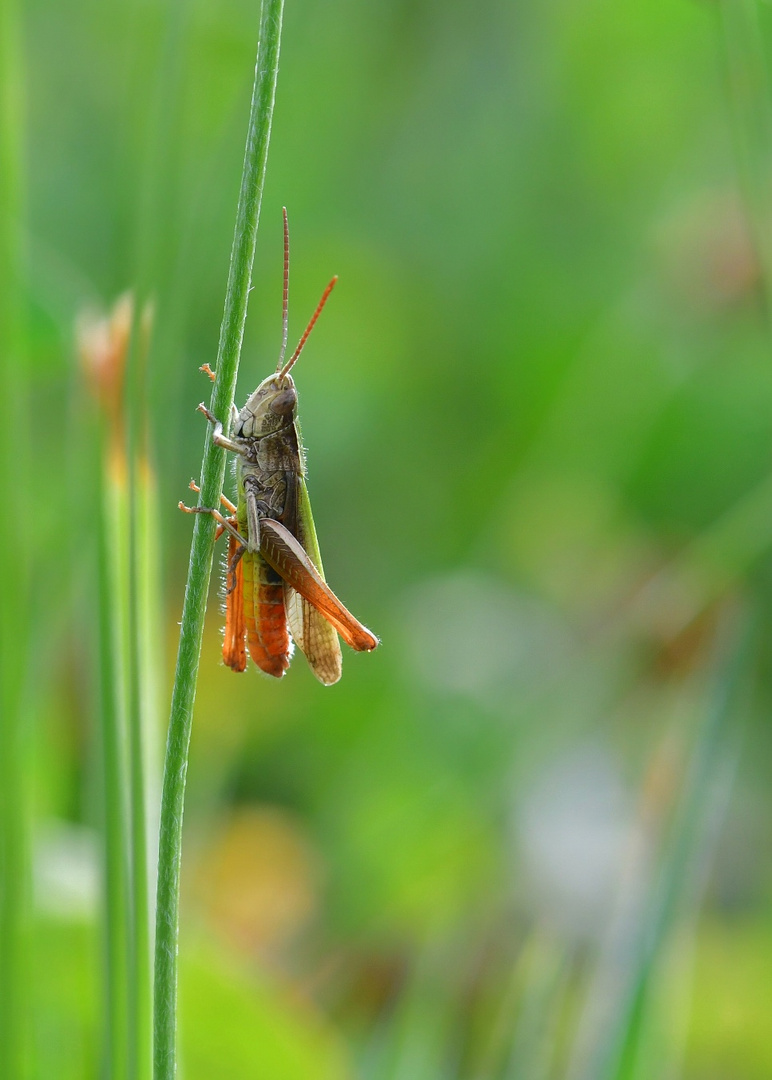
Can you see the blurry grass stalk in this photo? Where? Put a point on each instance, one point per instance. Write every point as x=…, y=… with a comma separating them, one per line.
x=16, y=618
x=128, y=602
x=708, y=568
x=537, y=1025
x=113, y=637
x=523, y=1023
x=418, y=1038
x=202, y=546
x=751, y=101
x=155, y=123
x=103, y=346
x=609, y=1030
x=143, y=604
x=145, y=787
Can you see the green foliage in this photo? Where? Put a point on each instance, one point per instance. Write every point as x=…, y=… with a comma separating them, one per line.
x=240, y=1025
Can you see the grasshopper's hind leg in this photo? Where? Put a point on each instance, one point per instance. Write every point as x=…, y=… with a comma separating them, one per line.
x=291, y=561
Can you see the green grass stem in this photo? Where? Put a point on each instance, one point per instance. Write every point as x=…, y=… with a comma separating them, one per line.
x=145, y=764
x=141, y=710
x=140, y=977
x=15, y=587
x=113, y=639
x=202, y=547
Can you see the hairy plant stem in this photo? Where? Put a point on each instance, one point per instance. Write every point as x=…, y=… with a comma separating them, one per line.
x=202, y=547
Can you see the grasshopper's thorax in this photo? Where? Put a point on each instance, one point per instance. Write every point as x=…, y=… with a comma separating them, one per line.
x=266, y=428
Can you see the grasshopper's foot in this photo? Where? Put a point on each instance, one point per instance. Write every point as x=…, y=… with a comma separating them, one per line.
x=223, y=501
x=223, y=524
x=208, y=371
x=197, y=509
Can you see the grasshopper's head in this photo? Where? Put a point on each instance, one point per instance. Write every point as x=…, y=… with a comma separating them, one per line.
x=274, y=404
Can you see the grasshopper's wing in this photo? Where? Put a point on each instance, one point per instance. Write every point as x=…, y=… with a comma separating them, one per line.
x=313, y=634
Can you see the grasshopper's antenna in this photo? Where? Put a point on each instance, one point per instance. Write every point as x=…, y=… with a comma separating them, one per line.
x=309, y=328
x=285, y=300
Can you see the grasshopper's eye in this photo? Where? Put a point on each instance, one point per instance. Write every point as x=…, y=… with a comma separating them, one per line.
x=285, y=401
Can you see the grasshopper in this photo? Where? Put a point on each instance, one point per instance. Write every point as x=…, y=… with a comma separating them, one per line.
x=275, y=585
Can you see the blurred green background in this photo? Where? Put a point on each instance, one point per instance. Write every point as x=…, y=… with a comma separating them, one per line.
x=530, y=835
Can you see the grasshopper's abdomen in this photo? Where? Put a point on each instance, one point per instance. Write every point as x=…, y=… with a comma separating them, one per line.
x=268, y=639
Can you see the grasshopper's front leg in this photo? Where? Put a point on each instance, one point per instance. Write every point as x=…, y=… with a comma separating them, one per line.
x=252, y=541
x=217, y=434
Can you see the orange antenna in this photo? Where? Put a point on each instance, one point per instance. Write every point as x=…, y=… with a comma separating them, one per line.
x=309, y=328
x=285, y=300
